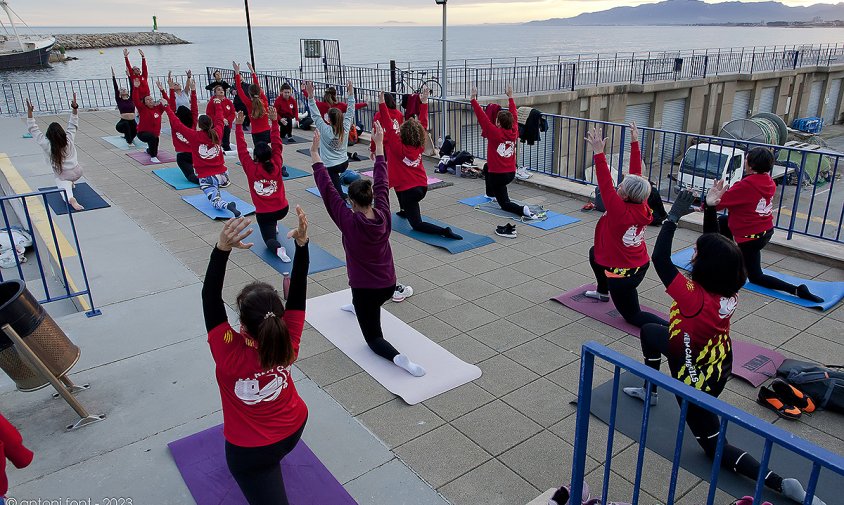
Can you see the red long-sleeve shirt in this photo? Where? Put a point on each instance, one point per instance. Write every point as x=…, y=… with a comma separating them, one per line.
x=226, y=107
x=208, y=157
x=267, y=189
x=286, y=107
x=180, y=142
x=501, y=143
x=11, y=446
x=404, y=163
x=750, y=206
x=620, y=232
x=397, y=120
x=259, y=124
x=139, y=83
x=149, y=118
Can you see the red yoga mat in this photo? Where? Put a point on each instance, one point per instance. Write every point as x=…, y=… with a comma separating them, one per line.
x=144, y=159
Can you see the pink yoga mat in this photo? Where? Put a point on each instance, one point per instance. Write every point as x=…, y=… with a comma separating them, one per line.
x=751, y=362
x=431, y=180
x=143, y=158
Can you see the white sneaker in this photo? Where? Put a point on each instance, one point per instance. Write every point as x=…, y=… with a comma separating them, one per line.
x=491, y=199
x=597, y=295
x=402, y=292
x=154, y=160
x=522, y=174
x=528, y=214
x=349, y=308
x=640, y=394
x=282, y=254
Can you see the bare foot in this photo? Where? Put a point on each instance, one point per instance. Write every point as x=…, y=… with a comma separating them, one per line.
x=73, y=203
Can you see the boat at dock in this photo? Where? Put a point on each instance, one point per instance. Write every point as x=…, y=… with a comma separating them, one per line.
x=19, y=51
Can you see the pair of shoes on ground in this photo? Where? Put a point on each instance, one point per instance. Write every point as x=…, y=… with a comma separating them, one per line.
x=786, y=400
x=522, y=174
x=402, y=292
x=508, y=231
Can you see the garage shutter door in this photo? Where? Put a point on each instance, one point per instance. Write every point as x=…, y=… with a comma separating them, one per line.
x=766, y=101
x=741, y=104
x=815, y=99
x=830, y=113
x=539, y=156
x=641, y=114
x=673, y=120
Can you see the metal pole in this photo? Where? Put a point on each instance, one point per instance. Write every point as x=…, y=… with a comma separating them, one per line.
x=249, y=30
x=444, y=77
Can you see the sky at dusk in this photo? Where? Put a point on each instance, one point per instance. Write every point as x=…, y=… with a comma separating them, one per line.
x=317, y=13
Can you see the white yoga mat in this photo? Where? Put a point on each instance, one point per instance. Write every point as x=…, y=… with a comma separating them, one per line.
x=444, y=370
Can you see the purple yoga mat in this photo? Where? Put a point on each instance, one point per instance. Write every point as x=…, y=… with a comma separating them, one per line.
x=751, y=362
x=201, y=459
x=143, y=158
x=431, y=180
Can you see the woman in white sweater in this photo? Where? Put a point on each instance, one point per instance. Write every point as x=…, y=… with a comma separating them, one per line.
x=59, y=147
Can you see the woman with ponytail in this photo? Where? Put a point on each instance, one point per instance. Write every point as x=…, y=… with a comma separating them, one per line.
x=256, y=103
x=206, y=152
x=333, y=134
x=60, y=149
x=266, y=183
x=263, y=415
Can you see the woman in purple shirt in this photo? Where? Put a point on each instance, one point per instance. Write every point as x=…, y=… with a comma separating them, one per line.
x=126, y=107
x=366, y=238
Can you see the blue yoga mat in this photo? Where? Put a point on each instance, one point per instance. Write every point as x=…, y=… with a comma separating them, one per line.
x=320, y=258
x=295, y=173
x=201, y=203
x=831, y=292
x=315, y=191
x=470, y=240
x=83, y=193
x=119, y=142
x=174, y=177
x=552, y=219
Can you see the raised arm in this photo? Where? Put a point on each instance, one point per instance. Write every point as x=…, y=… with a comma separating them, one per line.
x=635, y=151
x=275, y=140
x=128, y=64
x=483, y=120
x=240, y=93
x=710, y=204
x=613, y=203
x=33, y=128
x=423, y=110
x=240, y=139
x=391, y=137
x=349, y=115
x=511, y=105
x=232, y=236
x=194, y=106
x=334, y=204
x=116, y=88
x=144, y=72
x=299, y=272
x=381, y=186
x=661, y=256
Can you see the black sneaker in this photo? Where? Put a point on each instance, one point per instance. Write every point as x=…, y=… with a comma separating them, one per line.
x=355, y=157
x=284, y=171
x=508, y=230
x=233, y=209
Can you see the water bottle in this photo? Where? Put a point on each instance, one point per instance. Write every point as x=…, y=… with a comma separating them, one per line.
x=285, y=284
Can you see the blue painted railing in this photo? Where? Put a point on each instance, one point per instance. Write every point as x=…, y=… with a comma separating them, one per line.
x=819, y=458
x=49, y=256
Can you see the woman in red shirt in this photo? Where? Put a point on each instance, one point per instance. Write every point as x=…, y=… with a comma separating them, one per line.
x=750, y=221
x=500, y=168
x=227, y=107
x=263, y=415
x=266, y=182
x=256, y=103
x=698, y=344
x=288, y=111
x=406, y=171
x=619, y=256
x=150, y=113
x=138, y=77
x=188, y=117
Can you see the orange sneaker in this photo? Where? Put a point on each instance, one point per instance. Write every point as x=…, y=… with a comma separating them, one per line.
x=793, y=396
x=768, y=398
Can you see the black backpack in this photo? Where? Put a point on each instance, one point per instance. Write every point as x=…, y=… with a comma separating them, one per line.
x=824, y=384
x=306, y=123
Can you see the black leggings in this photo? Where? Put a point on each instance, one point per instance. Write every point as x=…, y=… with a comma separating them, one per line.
x=129, y=129
x=151, y=140
x=334, y=173
x=704, y=425
x=496, y=187
x=267, y=222
x=752, y=253
x=409, y=203
x=260, y=137
x=623, y=292
x=286, y=130
x=367, y=303
x=227, y=135
x=185, y=162
x=257, y=470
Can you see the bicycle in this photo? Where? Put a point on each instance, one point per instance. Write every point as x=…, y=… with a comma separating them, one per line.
x=412, y=81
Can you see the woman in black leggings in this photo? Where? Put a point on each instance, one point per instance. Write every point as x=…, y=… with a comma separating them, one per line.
x=263, y=415
x=698, y=346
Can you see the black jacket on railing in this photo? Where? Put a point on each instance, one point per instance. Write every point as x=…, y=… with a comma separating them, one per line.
x=529, y=131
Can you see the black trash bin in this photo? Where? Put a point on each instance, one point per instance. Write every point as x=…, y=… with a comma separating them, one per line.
x=27, y=317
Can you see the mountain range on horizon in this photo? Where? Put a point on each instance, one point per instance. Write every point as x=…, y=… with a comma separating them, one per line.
x=697, y=12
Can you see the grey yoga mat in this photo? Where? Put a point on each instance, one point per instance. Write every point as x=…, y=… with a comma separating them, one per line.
x=662, y=435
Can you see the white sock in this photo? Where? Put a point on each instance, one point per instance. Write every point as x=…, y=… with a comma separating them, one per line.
x=792, y=488
x=526, y=211
x=640, y=394
x=349, y=308
x=412, y=368
x=282, y=254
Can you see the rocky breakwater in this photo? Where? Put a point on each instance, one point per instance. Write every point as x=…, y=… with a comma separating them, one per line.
x=68, y=41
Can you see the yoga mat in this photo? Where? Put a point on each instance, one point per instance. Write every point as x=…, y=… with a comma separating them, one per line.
x=470, y=240
x=307, y=152
x=444, y=370
x=320, y=259
x=295, y=173
x=201, y=459
x=26, y=136
x=119, y=142
x=83, y=193
x=315, y=191
x=551, y=221
x=831, y=292
x=662, y=437
x=144, y=159
x=750, y=362
x=433, y=182
x=298, y=139
x=174, y=177
x=201, y=203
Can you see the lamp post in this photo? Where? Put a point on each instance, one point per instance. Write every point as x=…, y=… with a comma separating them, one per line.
x=443, y=75
x=249, y=30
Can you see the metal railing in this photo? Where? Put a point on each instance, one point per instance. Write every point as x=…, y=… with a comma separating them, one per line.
x=729, y=416
x=54, y=258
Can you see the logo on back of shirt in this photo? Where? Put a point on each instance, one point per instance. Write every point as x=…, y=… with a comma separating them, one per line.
x=250, y=391
x=412, y=163
x=156, y=115
x=506, y=149
x=764, y=208
x=291, y=105
x=265, y=187
x=728, y=306
x=633, y=237
x=182, y=138
x=209, y=153
x=396, y=126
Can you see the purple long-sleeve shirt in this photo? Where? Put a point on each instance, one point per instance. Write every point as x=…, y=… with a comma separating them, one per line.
x=369, y=258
